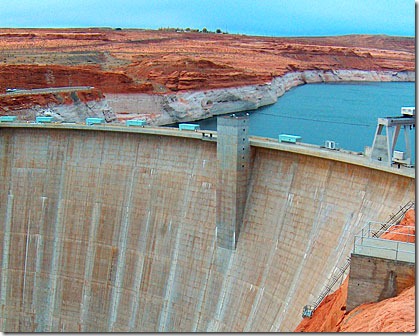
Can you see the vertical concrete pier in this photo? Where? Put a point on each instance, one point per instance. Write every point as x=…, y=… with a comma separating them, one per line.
x=233, y=157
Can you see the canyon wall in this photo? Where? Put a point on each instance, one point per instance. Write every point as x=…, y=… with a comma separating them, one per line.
x=161, y=109
x=196, y=105
x=63, y=104
x=168, y=76
x=115, y=231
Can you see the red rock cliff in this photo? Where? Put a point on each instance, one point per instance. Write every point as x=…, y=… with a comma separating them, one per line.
x=141, y=61
x=64, y=104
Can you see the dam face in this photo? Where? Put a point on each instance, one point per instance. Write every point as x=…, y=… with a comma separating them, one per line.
x=116, y=231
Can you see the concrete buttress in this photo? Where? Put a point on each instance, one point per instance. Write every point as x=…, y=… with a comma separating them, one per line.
x=233, y=157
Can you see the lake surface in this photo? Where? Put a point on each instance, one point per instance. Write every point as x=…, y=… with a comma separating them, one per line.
x=343, y=112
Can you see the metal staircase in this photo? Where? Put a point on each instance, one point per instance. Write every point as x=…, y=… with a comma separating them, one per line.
x=338, y=272
x=394, y=219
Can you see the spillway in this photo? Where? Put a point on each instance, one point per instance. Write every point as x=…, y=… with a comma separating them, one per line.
x=106, y=228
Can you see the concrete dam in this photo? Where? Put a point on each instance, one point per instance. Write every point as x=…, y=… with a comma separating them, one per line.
x=114, y=228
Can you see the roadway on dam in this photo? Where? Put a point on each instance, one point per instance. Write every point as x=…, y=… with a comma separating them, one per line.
x=112, y=228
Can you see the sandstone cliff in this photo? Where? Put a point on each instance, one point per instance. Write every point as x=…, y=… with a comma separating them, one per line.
x=195, y=105
x=65, y=105
x=169, y=76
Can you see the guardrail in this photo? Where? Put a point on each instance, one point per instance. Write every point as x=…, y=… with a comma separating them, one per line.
x=367, y=244
x=375, y=229
x=25, y=92
x=396, y=218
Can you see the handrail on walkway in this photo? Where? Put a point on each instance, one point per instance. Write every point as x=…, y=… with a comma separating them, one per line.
x=384, y=248
x=394, y=219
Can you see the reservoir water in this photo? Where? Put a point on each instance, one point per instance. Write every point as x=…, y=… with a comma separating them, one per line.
x=343, y=112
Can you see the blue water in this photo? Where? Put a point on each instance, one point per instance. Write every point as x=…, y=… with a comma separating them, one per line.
x=343, y=112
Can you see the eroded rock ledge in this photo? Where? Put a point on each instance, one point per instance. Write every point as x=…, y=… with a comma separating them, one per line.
x=182, y=106
x=64, y=104
x=196, y=105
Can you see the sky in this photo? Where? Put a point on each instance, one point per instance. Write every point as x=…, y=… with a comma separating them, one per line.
x=250, y=17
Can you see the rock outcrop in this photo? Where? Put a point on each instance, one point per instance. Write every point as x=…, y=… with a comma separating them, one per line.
x=396, y=314
x=51, y=75
x=405, y=231
x=65, y=105
x=188, y=106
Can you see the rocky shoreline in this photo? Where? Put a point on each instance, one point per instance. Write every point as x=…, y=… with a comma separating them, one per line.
x=63, y=104
x=197, y=105
x=185, y=106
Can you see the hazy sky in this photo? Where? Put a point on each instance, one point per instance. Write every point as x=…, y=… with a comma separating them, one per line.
x=251, y=17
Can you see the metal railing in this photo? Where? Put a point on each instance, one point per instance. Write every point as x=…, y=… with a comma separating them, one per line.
x=390, y=249
x=338, y=272
x=367, y=243
x=377, y=229
x=394, y=219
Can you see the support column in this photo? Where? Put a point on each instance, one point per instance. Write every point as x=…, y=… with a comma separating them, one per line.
x=233, y=156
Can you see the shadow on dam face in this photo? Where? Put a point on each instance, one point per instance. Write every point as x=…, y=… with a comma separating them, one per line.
x=113, y=231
